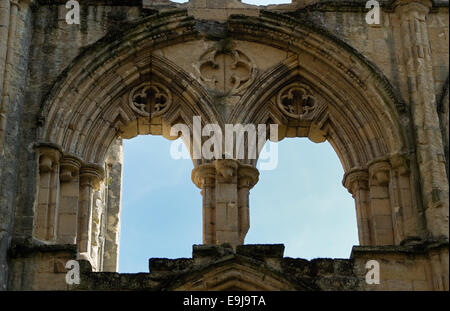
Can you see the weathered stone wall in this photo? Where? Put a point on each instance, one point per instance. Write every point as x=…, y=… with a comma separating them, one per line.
x=46, y=47
x=14, y=144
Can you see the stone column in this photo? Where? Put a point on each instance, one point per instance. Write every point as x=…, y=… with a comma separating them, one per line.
x=248, y=177
x=204, y=176
x=97, y=240
x=90, y=177
x=69, y=193
x=8, y=21
x=46, y=213
x=406, y=217
x=380, y=207
x=227, y=217
x=114, y=164
x=225, y=188
x=357, y=183
x=430, y=152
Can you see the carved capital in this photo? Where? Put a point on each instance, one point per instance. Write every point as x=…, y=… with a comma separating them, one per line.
x=204, y=175
x=70, y=167
x=400, y=163
x=413, y=9
x=379, y=173
x=248, y=176
x=49, y=156
x=91, y=175
x=226, y=169
x=355, y=180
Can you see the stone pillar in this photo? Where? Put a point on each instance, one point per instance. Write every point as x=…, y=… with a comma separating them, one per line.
x=204, y=176
x=225, y=188
x=46, y=213
x=97, y=239
x=357, y=183
x=248, y=177
x=114, y=164
x=90, y=177
x=406, y=216
x=430, y=152
x=8, y=21
x=380, y=207
x=68, y=200
x=227, y=218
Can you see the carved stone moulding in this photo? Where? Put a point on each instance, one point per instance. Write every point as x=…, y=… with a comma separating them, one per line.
x=150, y=99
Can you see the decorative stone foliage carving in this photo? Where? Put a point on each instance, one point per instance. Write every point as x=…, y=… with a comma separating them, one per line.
x=150, y=99
x=226, y=69
x=296, y=100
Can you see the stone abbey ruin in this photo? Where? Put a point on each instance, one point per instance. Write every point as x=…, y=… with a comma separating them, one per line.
x=70, y=94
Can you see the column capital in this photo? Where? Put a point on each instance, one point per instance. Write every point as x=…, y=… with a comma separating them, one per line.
x=379, y=173
x=412, y=8
x=400, y=163
x=70, y=167
x=248, y=176
x=49, y=155
x=226, y=169
x=356, y=179
x=91, y=174
x=204, y=175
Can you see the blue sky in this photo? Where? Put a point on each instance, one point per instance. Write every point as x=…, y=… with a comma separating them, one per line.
x=302, y=204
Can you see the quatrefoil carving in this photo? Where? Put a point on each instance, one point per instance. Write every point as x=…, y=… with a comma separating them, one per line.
x=226, y=69
x=150, y=99
x=296, y=100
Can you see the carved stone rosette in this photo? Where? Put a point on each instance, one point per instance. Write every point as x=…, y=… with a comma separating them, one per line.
x=150, y=98
x=296, y=100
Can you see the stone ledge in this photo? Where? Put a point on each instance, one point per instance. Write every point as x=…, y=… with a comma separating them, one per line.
x=261, y=251
x=169, y=265
x=27, y=248
x=421, y=248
